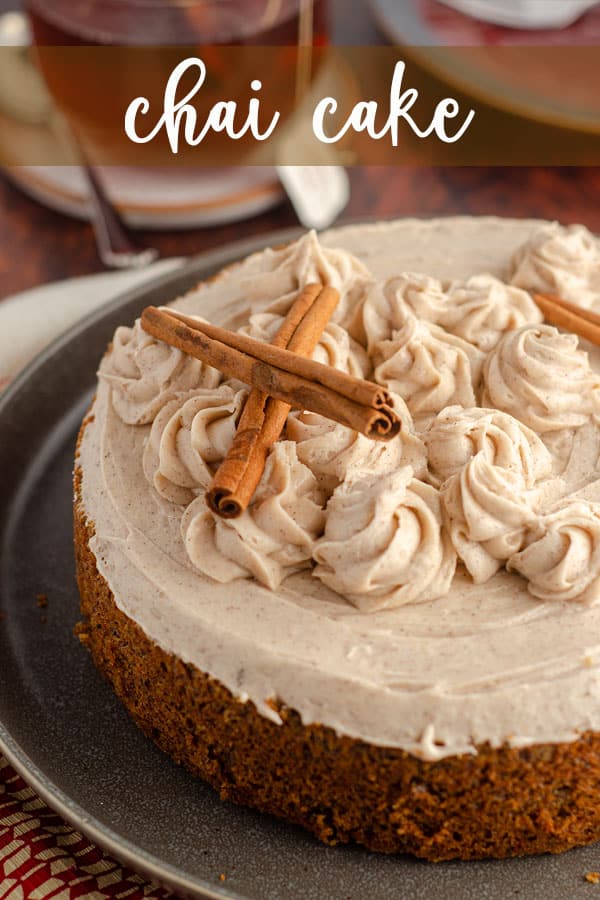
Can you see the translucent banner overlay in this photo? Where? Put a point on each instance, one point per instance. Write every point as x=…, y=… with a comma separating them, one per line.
x=224, y=106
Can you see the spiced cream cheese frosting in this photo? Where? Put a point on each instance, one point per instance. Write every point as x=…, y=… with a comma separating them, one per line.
x=433, y=592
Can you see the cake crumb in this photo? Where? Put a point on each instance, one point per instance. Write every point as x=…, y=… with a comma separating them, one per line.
x=593, y=877
x=82, y=632
x=42, y=600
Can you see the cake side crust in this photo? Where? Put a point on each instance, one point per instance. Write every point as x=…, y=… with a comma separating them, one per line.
x=499, y=803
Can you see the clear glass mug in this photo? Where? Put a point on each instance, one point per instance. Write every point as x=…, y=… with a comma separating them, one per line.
x=177, y=22
x=128, y=48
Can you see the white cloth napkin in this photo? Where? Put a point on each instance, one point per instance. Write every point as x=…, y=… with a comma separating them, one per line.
x=31, y=320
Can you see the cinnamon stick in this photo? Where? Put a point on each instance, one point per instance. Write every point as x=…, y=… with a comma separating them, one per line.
x=300, y=382
x=569, y=316
x=264, y=418
x=289, y=360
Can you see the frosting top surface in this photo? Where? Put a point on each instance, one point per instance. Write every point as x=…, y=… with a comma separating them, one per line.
x=490, y=659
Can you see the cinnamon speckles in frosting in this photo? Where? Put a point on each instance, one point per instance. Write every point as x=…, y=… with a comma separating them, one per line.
x=383, y=545
x=479, y=385
x=562, y=261
x=145, y=374
x=561, y=560
x=482, y=309
x=189, y=436
x=428, y=367
x=499, y=662
x=458, y=434
x=479, y=310
x=540, y=376
x=486, y=511
x=488, y=463
x=333, y=452
x=389, y=305
x=273, y=538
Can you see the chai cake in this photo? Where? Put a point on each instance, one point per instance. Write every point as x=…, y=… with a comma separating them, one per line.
x=398, y=642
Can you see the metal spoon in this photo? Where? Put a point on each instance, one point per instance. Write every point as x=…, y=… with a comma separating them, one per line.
x=115, y=246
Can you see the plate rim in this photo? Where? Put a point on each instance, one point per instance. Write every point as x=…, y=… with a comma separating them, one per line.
x=139, y=860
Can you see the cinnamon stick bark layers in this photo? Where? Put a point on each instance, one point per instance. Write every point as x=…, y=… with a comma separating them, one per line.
x=303, y=383
x=281, y=379
x=263, y=417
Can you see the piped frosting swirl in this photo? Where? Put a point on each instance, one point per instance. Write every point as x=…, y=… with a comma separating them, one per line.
x=145, y=374
x=428, y=367
x=559, y=260
x=479, y=310
x=286, y=270
x=384, y=545
x=483, y=308
x=335, y=453
x=538, y=375
x=489, y=463
x=486, y=511
x=273, y=538
x=189, y=436
x=456, y=435
x=561, y=560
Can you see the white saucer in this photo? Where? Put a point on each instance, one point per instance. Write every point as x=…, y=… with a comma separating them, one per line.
x=148, y=198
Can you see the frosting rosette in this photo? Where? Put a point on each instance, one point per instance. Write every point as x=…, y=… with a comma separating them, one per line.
x=483, y=308
x=456, y=435
x=144, y=374
x=428, y=367
x=286, y=270
x=562, y=558
x=334, y=453
x=269, y=281
x=335, y=348
x=383, y=545
x=479, y=310
x=560, y=260
x=389, y=305
x=188, y=437
x=539, y=375
x=487, y=509
x=273, y=538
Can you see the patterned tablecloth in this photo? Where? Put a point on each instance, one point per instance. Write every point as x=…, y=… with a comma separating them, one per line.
x=42, y=857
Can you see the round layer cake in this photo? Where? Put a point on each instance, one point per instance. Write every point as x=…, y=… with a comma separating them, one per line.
x=397, y=643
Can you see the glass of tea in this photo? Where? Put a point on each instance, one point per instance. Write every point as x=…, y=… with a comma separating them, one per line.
x=177, y=22
x=96, y=56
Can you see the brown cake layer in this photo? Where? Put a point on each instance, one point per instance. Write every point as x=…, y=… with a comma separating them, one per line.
x=498, y=803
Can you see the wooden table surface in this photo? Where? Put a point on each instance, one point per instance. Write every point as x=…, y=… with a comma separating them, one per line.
x=38, y=245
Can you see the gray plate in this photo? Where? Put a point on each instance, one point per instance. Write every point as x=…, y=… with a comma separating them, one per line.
x=66, y=733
